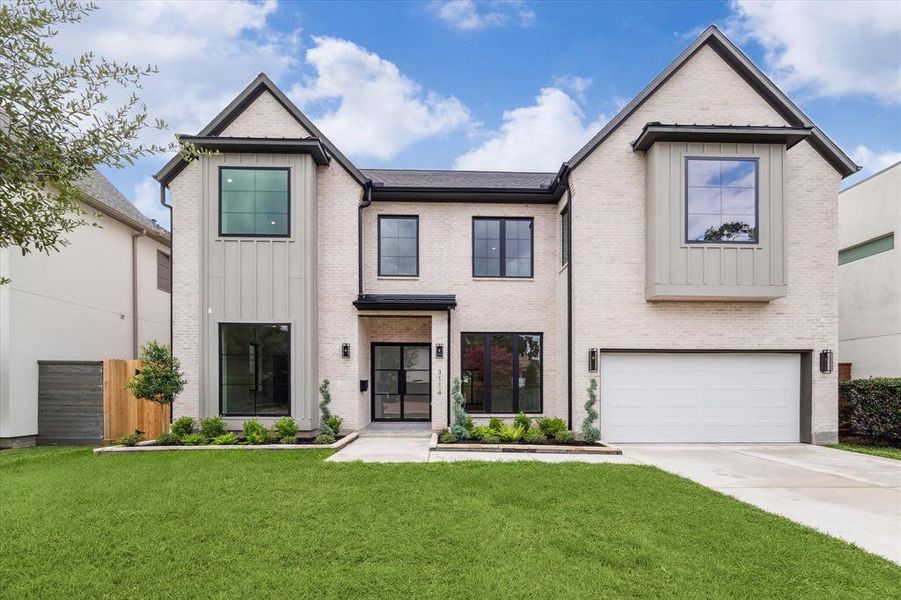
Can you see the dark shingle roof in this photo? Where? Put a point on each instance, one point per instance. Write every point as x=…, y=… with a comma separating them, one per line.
x=431, y=179
x=103, y=191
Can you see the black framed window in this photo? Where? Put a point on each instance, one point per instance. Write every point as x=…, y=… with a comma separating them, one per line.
x=398, y=246
x=502, y=372
x=564, y=236
x=254, y=369
x=163, y=272
x=721, y=204
x=254, y=202
x=502, y=247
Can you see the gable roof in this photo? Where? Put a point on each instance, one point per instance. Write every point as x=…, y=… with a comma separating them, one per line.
x=714, y=38
x=260, y=85
x=102, y=195
x=445, y=179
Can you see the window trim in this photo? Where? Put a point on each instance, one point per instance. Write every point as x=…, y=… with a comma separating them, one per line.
x=290, y=412
x=169, y=270
x=565, y=236
x=487, y=382
x=756, y=161
x=379, y=245
x=503, y=248
x=253, y=235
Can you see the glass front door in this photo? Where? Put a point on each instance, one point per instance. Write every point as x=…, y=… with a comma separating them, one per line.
x=401, y=382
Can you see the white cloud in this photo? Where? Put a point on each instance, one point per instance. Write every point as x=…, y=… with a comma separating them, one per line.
x=147, y=200
x=874, y=161
x=369, y=107
x=826, y=48
x=206, y=53
x=468, y=15
x=534, y=138
x=575, y=85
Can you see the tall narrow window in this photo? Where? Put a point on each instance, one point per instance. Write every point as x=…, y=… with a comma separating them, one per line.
x=502, y=372
x=254, y=369
x=721, y=201
x=398, y=246
x=163, y=272
x=564, y=236
x=502, y=247
x=254, y=202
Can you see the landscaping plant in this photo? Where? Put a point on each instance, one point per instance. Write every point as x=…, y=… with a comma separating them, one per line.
x=326, y=422
x=286, y=430
x=495, y=423
x=226, y=439
x=523, y=420
x=254, y=432
x=480, y=432
x=534, y=436
x=324, y=438
x=462, y=423
x=550, y=426
x=168, y=439
x=212, y=427
x=159, y=378
x=590, y=432
x=183, y=426
x=874, y=407
x=447, y=436
x=564, y=437
x=130, y=439
x=510, y=433
x=194, y=439
x=334, y=423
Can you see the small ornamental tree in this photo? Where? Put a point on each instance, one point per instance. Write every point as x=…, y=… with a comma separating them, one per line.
x=590, y=432
x=325, y=415
x=460, y=421
x=159, y=378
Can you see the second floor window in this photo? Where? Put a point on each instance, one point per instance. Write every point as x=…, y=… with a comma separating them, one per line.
x=254, y=202
x=721, y=201
x=398, y=246
x=163, y=272
x=501, y=247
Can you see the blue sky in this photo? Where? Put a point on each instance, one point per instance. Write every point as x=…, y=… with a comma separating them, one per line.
x=448, y=84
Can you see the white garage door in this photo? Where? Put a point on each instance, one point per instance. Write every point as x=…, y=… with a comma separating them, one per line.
x=700, y=397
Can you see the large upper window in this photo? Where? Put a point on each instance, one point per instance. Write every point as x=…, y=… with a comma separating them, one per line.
x=254, y=369
x=502, y=372
x=721, y=201
x=398, y=246
x=501, y=247
x=254, y=202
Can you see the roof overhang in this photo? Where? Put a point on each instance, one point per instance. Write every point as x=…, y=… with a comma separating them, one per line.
x=406, y=302
x=456, y=194
x=736, y=134
x=159, y=235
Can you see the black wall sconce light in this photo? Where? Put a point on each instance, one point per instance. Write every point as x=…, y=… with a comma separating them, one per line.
x=439, y=350
x=593, y=360
x=826, y=361
x=345, y=350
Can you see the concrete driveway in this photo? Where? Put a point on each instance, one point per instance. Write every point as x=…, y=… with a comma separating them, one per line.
x=854, y=497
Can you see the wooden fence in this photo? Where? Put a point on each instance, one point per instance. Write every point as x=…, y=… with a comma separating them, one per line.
x=122, y=412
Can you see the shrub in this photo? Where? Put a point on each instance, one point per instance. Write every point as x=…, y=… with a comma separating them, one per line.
x=874, y=407
x=447, y=436
x=564, y=437
x=511, y=433
x=324, y=438
x=523, y=420
x=491, y=438
x=168, y=439
x=212, y=427
x=534, y=436
x=462, y=422
x=590, y=432
x=480, y=432
x=226, y=439
x=182, y=426
x=193, y=439
x=325, y=415
x=254, y=427
x=496, y=423
x=286, y=429
x=550, y=426
x=334, y=423
x=159, y=378
x=130, y=439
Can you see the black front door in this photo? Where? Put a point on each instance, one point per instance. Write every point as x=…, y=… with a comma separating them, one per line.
x=401, y=382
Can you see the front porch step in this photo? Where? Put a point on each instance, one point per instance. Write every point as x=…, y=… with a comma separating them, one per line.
x=405, y=430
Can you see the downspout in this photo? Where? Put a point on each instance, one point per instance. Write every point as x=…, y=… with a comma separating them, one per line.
x=569, y=302
x=366, y=201
x=134, y=290
x=171, y=261
x=448, y=355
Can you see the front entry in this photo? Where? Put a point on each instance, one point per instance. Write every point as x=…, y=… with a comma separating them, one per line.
x=401, y=382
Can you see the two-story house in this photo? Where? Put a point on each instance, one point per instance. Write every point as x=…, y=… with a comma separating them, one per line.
x=684, y=258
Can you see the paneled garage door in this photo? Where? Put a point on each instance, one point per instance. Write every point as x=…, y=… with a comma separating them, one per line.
x=696, y=397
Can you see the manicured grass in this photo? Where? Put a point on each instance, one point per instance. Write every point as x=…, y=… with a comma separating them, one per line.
x=286, y=524
x=883, y=451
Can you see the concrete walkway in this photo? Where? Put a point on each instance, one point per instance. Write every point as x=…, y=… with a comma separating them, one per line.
x=852, y=496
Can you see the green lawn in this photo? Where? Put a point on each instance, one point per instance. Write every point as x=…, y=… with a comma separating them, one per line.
x=883, y=451
x=286, y=524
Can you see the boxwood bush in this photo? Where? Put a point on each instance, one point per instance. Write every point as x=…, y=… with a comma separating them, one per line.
x=874, y=407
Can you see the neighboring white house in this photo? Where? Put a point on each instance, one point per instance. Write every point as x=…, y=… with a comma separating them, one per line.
x=684, y=257
x=869, y=326
x=102, y=296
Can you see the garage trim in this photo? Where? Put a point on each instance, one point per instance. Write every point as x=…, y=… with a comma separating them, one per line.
x=806, y=376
